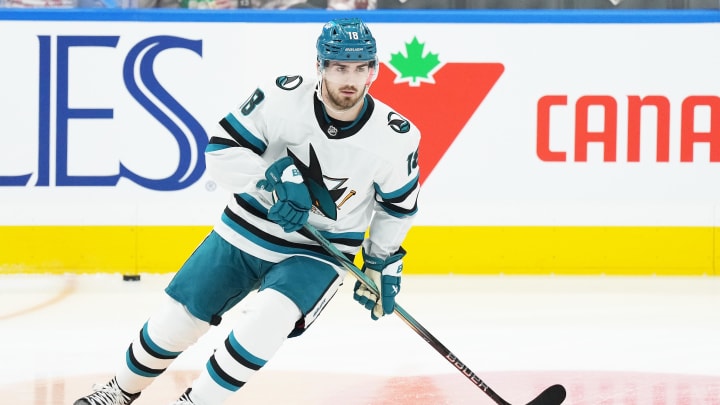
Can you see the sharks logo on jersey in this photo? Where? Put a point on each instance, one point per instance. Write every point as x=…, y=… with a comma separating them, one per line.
x=398, y=123
x=324, y=199
x=289, y=82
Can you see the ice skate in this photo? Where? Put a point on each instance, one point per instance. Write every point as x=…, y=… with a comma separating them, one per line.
x=108, y=394
x=184, y=399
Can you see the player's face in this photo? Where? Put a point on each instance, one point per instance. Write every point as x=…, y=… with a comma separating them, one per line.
x=345, y=82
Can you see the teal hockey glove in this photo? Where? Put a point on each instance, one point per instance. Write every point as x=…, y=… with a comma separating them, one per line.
x=292, y=199
x=386, y=276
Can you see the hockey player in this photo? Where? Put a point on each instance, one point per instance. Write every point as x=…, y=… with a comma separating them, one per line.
x=298, y=150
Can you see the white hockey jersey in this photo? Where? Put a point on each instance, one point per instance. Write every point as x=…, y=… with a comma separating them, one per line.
x=360, y=174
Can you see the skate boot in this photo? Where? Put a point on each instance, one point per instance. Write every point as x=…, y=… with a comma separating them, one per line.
x=184, y=399
x=108, y=394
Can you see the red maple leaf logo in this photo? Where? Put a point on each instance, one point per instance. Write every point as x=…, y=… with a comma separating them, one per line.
x=441, y=107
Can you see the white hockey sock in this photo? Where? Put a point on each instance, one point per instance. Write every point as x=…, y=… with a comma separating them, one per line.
x=263, y=326
x=165, y=335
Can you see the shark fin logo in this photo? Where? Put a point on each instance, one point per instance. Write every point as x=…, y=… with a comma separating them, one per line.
x=323, y=198
x=398, y=123
x=438, y=97
x=289, y=82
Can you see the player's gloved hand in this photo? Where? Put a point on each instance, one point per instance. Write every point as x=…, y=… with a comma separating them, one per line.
x=386, y=276
x=292, y=205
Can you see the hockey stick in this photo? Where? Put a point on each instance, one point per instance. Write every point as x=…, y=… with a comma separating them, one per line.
x=553, y=395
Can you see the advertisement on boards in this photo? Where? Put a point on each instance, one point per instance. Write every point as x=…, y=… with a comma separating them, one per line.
x=571, y=124
x=521, y=123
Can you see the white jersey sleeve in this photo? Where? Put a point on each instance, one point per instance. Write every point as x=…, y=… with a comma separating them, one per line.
x=396, y=188
x=233, y=156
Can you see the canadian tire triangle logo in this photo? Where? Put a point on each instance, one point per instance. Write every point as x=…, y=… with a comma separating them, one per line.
x=438, y=97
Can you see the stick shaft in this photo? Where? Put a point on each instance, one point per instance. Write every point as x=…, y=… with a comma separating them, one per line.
x=405, y=316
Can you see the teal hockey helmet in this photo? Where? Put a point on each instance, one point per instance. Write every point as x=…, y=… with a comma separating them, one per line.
x=346, y=39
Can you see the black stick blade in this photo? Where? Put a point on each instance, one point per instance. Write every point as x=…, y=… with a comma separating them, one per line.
x=554, y=395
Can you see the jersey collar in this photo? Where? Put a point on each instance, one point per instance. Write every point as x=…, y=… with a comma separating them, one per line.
x=336, y=129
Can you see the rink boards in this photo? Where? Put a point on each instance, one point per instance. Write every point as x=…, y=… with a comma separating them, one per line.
x=433, y=249
x=553, y=142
